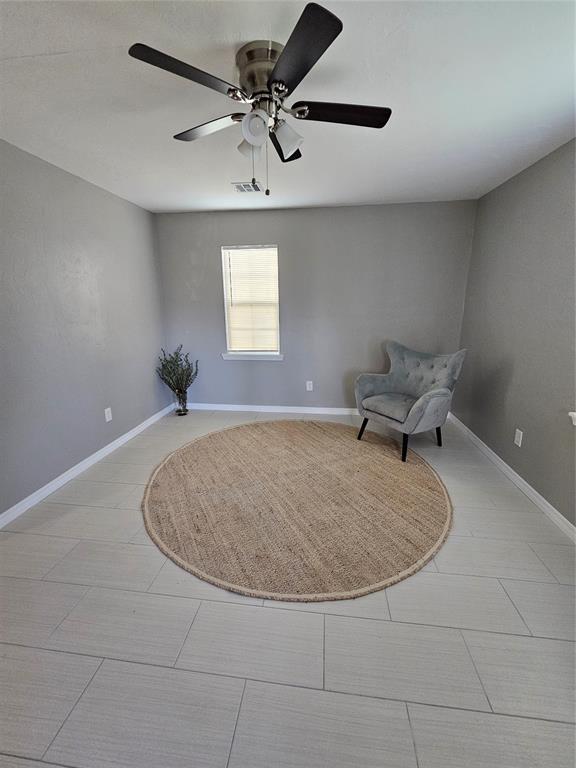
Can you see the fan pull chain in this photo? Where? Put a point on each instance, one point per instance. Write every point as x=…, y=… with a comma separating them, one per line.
x=267, y=192
x=253, y=174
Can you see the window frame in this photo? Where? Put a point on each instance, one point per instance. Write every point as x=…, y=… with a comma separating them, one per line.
x=269, y=356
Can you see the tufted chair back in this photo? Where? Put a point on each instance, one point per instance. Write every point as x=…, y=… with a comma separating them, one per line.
x=416, y=373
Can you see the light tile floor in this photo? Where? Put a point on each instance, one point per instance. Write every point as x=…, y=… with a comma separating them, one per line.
x=111, y=655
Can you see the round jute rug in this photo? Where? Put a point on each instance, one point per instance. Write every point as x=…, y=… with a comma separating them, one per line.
x=296, y=510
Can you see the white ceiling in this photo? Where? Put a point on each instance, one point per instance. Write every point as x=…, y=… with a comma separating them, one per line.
x=479, y=91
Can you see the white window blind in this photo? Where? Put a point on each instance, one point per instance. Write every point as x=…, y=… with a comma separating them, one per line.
x=250, y=275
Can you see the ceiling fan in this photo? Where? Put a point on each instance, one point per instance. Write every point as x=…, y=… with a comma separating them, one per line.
x=269, y=72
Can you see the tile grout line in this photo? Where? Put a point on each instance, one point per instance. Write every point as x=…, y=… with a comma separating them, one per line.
x=49, y=571
x=324, y=652
x=476, y=669
x=421, y=624
x=89, y=480
x=37, y=760
x=187, y=635
x=87, y=591
x=542, y=561
x=131, y=590
x=111, y=542
x=510, y=538
x=236, y=723
x=157, y=573
x=413, y=735
x=484, y=576
x=185, y=670
x=315, y=613
x=518, y=610
x=385, y=590
x=74, y=705
x=150, y=546
x=84, y=538
x=60, y=502
x=149, y=587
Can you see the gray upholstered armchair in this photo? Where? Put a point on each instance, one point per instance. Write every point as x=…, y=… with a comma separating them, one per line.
x=414, y=396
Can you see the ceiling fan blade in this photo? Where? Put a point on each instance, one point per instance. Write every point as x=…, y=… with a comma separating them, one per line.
x=276, y=144
x=211, y=127
x=170, y=64
x=349, y=114
x=313, y=34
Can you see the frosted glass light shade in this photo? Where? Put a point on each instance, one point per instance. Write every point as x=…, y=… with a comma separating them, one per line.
x=247, y=149
x=288, y=139
x=255, y=127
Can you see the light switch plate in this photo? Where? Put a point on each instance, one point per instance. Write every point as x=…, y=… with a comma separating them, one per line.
x=108, y=414
x=518, y=435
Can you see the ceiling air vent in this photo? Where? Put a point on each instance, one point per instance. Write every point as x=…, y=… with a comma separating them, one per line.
x=247, y=186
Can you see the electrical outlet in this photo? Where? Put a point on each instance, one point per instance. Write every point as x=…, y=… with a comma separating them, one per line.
x=518, y=435
x=108, y=414
x=309, y=386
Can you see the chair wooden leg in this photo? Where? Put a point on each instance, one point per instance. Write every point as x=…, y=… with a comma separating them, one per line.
x=439, y=436
x=404, y=446
x=362, y=428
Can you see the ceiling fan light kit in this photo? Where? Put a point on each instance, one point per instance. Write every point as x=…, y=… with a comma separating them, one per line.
x=249, y=150
x=287, y=137
x=255, y=127
x=268, y=73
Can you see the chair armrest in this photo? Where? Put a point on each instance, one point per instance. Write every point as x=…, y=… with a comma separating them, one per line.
x=368, y=384
x=429, y=411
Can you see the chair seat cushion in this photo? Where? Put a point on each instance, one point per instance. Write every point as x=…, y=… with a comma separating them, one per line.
x=394, y=405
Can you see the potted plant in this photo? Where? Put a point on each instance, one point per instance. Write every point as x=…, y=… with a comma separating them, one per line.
x=178, y=373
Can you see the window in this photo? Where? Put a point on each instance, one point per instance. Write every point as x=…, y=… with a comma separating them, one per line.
x=250, y=276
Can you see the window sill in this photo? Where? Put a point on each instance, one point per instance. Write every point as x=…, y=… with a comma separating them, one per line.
x=270, y=357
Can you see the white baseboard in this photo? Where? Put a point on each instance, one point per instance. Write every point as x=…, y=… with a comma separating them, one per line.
x=273, y=409
x=556, y=517
x=13, y=512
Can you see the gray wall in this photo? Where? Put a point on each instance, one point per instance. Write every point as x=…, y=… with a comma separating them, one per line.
x=81, y=317
x=80, y=321
x=350, y=278
x=519, y=327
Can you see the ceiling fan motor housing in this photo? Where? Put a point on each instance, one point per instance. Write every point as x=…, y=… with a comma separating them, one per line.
x=255, y=62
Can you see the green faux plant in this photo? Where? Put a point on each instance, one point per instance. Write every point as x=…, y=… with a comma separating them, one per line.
x=178, y=373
